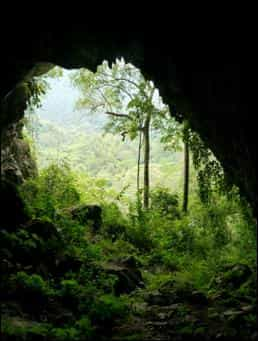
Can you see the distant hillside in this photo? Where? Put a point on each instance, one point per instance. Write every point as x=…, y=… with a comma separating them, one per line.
x=62, y=132
x=104, y=155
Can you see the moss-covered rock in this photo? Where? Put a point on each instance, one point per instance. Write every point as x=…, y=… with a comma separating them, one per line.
x=13, y=211
x=87, y=215
x=128, y=275
x=232, y=276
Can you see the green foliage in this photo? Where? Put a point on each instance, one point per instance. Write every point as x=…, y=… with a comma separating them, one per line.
x=176, y=253
x=81, y=331
x=165, y=202
x=138, y=230
x=20, y=239
x=22, y=330
x=52, y=190
x=65, y=334
x=33, y=284
x=109, y=307
x=210, y=175
x=28, y=330
x=36, y=88
x=69, y=287
x=104, y=165
x=114, y=223
x=86, y=330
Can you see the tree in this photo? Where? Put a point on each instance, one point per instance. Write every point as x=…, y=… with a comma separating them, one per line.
x=186, y=165
x=36, y=88
x=131, y=104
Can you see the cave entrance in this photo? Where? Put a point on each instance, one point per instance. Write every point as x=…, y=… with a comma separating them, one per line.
x=211, y=85
x=94, y=123
x=79, y=264
x=112, y=168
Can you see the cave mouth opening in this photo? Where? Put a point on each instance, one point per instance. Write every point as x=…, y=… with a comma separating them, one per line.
x=63, y=251
x=213, y=89
x=125, y=79
x=99, y=93
x=94, y=123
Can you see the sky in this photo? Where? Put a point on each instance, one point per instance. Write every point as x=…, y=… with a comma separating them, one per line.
x=58, y=105
x=59, y=102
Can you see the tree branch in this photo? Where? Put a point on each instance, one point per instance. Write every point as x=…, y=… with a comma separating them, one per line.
x=129, y=81
x=118, y=115
x=121, y=79
x=108, y=84
x=123, y=134
x=104, y=97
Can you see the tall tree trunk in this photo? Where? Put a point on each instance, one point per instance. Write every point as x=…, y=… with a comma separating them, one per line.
x=139, y=161
x=139, y=202
x=146, y=135
x=186, y=167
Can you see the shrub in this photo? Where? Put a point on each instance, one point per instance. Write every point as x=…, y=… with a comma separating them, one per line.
x=23, y=330
x=78, y=297
x=85, y=328
x=32, y=292
x=165, y=202
x=114, y=224
x=53, y=189
x=139, y=236
x=33, y=283
x=69, y=288
x=107, y=308
x=65, y=334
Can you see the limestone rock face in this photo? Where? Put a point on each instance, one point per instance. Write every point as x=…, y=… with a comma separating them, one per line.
x=17, y=163
x=128, y=274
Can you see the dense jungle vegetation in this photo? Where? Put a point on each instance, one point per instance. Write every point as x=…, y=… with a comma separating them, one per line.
x=133, y=231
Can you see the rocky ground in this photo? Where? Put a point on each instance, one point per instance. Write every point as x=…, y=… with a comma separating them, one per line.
x=35, y=260
x=174, y=313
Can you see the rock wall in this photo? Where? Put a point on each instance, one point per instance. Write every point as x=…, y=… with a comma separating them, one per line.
x=199, y=77
x=17, y=163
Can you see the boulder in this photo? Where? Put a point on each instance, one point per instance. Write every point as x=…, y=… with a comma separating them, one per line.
x=43, y=229
x=171, y=292
x=232, y=275
x=128, y=274
x=155, y=298
x=41, y=246
x=198, y=298
x=67, y=262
